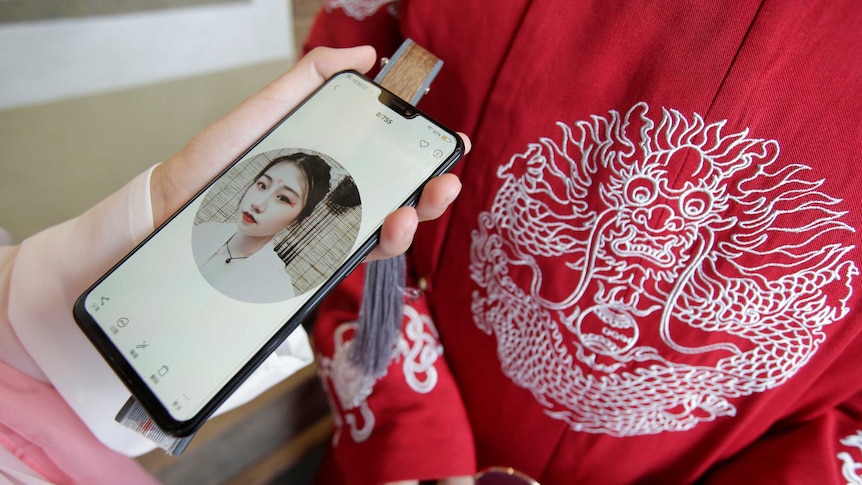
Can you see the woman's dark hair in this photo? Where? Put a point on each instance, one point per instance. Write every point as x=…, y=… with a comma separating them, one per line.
x=316, y=172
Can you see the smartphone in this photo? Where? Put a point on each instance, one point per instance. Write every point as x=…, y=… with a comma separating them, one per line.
x=186, y=316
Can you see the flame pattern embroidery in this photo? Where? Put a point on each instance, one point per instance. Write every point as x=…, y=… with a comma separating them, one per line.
x=417, y=349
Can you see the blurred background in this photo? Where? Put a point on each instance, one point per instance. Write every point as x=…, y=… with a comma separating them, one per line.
x=92, y=92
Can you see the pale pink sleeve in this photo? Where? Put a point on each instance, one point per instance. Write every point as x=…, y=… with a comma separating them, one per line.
x=50, y=271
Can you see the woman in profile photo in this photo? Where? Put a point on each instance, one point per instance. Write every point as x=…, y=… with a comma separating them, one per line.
x=239, y=259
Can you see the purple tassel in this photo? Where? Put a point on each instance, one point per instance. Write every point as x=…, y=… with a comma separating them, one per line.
x=380, y=316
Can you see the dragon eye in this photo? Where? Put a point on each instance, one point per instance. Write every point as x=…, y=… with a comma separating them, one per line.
x=641, y=191
x=695, y=204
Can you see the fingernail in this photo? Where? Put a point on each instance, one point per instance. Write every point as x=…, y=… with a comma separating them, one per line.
x=453, y=195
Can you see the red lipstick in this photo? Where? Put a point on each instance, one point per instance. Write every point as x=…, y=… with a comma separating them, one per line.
x=247, y=217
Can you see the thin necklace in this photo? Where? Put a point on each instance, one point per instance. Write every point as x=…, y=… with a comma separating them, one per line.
x=230, y=256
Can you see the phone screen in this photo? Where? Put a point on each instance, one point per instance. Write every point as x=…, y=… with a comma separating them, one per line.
x=197, y=303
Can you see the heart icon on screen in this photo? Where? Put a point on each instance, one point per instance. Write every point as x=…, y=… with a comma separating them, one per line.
x=423, y=143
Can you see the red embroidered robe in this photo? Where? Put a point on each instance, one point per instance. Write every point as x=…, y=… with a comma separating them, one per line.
x=652, y=272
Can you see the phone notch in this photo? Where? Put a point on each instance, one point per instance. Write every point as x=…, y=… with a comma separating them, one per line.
x=403, y=108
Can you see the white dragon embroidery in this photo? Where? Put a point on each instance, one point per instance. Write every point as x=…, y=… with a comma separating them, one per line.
x=361, y=9
x=688, y=268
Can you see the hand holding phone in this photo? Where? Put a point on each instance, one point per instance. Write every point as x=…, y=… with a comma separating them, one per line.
x=179, y=178
x=207, y=301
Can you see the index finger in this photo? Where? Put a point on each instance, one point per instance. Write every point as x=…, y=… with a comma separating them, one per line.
x=174, y=181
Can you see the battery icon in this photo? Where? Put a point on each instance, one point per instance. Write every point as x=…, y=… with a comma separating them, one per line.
x=445, y=138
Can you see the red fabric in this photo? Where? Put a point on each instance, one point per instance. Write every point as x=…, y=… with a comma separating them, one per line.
x=416, y=375
x=730, y=136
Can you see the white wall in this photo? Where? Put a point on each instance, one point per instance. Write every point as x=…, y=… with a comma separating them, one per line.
x=59, y=59
x=86, y=104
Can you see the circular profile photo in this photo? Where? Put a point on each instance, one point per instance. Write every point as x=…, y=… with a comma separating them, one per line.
x=276, y=225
